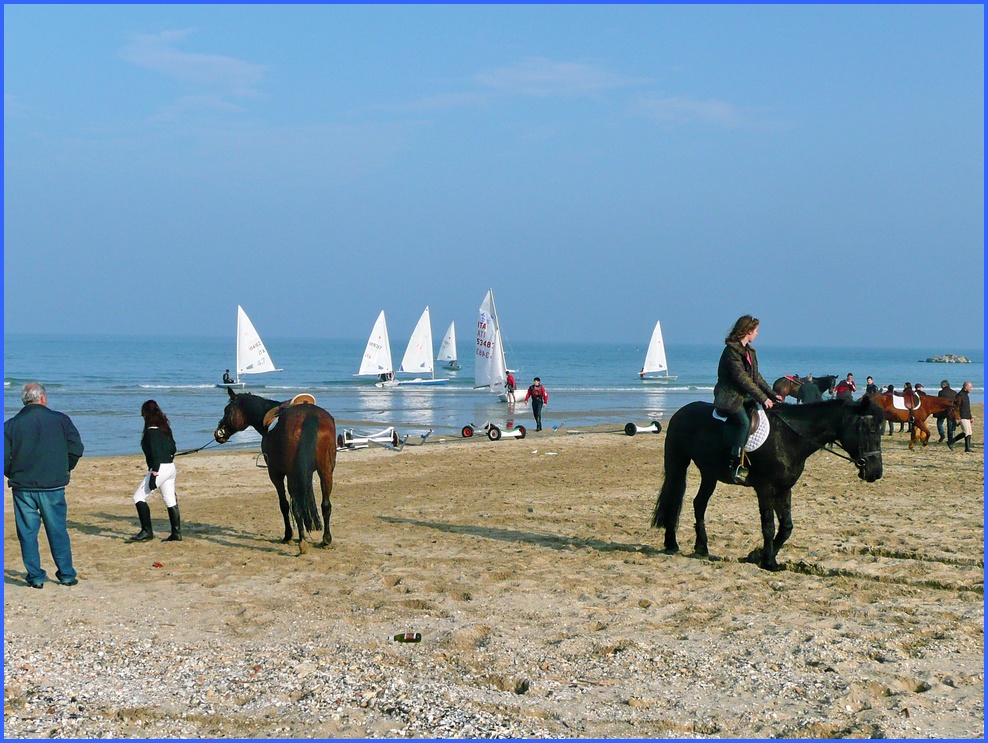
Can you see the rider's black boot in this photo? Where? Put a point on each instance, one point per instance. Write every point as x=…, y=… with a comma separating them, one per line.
x=146, y=534
x=176, y=522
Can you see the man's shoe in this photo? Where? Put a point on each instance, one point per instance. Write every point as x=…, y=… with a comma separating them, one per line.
x=36, y=585
x=72, y=582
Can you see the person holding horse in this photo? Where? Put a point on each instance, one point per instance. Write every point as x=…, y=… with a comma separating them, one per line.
x=964, y=402
x=948, y=394
x=158, y=445
x=737, y=381
x=809, y=392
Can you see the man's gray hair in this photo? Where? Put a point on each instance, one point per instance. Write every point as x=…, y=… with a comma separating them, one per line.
x=33, y=392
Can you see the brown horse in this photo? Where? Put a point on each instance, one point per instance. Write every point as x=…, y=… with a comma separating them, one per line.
x=789, y=386
x=296, y=444
x=928, y=405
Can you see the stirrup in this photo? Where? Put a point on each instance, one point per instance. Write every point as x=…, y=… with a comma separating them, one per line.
x=740, y=475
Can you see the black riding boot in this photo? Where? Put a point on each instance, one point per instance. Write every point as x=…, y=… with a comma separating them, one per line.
x=146, y=534
x=967, y=444
x=176, y=521
x=737, y=472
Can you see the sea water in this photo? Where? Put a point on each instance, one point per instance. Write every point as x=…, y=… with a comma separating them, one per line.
x=101, y=382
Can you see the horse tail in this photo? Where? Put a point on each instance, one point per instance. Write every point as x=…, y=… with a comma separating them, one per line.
x=670, y=501
x=304, y=506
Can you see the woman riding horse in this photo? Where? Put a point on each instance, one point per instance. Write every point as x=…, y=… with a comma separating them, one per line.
x=738, y=380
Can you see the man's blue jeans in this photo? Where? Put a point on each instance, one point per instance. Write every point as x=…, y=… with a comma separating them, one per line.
x=31, y=508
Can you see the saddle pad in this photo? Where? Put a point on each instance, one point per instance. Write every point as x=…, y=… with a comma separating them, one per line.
x=761, y=428
x=757, y=437
x=899, y=403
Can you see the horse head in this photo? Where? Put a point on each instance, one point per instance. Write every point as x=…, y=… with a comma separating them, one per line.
x=831, y=382
x=861, y=436
x=234, y=419
x=954, y=411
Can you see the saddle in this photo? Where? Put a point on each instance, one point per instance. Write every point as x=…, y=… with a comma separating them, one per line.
x=303, y=398
x=759, y=429
x=899, y=402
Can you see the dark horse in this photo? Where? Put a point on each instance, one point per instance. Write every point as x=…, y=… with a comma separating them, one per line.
x=300, y=443
x=693, y=434
x=789, y=386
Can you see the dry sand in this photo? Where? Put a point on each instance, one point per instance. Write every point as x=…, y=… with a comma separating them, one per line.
x=544, y=602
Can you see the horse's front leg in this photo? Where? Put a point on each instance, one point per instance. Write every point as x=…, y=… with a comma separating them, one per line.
x=783, y=510
x=767, y=557
x=279, y=485
x=707, y=485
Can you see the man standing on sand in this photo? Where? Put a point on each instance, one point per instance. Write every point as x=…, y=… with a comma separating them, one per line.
x=40, y=448
x=965, y=413
x=948, y=394
x=845, y=388
x=538, y=395
x=871, y=388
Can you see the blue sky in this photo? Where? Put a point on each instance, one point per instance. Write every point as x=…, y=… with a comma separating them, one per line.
x=601, y=167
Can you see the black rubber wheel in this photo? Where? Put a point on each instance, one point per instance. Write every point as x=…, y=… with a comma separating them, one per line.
x=521, y=432
x=631, y=429
x=467, y=432
x=658, y=426
x=339, y=441
x=494, y=433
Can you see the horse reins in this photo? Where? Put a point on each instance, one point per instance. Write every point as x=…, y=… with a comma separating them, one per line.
x=829, y=446
x=193, y=451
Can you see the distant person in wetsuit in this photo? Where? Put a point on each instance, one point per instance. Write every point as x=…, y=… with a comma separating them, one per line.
x=227, y=379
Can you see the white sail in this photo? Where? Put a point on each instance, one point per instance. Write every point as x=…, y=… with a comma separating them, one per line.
x=490, y=368
x=418, y=353
x=447, y=349
x=655, y=358
x=377, y=355
x=252, y=356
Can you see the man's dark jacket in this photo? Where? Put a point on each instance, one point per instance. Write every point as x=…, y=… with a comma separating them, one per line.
x=40, y=447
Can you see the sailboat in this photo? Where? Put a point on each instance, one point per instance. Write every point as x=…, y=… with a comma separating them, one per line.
x=418, y=355
x=491, y=368
x=447, y=349
x=655, y=368
x=252, y=356
x=376, y=361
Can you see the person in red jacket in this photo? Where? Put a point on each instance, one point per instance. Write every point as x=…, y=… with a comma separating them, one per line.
x=540, y=398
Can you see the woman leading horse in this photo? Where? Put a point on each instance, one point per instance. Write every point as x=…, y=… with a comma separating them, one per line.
x=297, y=441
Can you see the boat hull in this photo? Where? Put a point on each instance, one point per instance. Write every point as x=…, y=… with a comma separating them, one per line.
x=659, y=380
x=232, y=385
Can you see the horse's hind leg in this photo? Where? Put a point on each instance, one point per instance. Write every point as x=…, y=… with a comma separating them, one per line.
x=707, y=485
x=326, y=483
x=279, y=485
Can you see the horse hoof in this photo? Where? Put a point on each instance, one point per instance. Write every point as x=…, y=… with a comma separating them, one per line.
x=325, y=545
x=670, y=551
x=303, y=547
x=772, y=567
x=701, y=553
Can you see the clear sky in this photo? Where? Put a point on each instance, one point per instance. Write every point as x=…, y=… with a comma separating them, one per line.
x=601, y=167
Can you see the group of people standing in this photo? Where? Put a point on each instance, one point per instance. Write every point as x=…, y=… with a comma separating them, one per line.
x=41, y=447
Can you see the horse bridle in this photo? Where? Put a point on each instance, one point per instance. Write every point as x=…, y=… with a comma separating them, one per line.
x=860, y=463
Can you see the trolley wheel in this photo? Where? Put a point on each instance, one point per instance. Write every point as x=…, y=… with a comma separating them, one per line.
x=394, y=438
x=494, y=433
x=521, y=432
x=658, y=426
x=631, y=429
x=467, y=432
x=339, y=441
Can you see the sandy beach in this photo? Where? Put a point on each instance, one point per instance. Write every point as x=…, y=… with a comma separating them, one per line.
x=545, y=605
